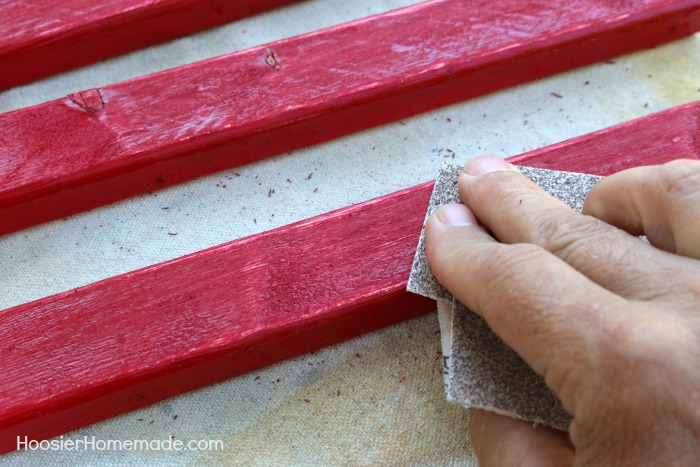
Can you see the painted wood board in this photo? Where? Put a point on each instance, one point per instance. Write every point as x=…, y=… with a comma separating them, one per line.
x=126, y=342
x=102, y=145
x=132, y=340
x=42, y=37
x=655, y=139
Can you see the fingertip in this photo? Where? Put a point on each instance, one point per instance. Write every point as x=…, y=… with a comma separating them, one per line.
x=447, y=233
x=456, y=215
x=440, y=223
x=486, y=164
x=500, y=440
x=470, y=182
x=594, y=204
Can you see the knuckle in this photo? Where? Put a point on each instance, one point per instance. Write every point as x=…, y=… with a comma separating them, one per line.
x=564, y=378
x=510, y=285
x=640, y=356
x=677, y=284
x=575, y=237
x=502, y=277
x=690, y=286
x=504, y=264
x=680, y=178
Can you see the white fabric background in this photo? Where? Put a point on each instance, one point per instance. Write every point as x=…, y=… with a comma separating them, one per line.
x=391, y=408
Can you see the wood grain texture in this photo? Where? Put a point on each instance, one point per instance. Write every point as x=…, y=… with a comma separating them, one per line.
x=102, y=145
x=132, y=340
x=657, y=138
x=126, y=342
x=43, y=37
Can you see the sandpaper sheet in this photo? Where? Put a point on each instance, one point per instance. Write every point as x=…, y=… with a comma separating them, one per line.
x=480, y=370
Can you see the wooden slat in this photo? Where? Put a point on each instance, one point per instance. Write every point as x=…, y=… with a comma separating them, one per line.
x=657, y=138
x=106, y=144
x=43, y=37
x=132, y=340
x=129, y=341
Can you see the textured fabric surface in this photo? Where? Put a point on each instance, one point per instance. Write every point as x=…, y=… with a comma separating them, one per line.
x=391, y=407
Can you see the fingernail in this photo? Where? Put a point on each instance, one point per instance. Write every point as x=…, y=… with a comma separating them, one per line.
x=486, y=164
x=457, y=215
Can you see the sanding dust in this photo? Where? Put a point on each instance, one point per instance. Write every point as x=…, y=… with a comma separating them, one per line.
x=480, y=370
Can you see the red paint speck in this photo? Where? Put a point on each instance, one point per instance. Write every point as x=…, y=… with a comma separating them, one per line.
x=307, y=400
x=446, y=153
x=174, y=417
x=310, y=175
x=358, y=355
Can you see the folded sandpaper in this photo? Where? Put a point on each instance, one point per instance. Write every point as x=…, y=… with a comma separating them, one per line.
x=480, y=370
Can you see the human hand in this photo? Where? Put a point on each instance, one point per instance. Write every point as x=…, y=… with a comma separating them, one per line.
x=612, y=323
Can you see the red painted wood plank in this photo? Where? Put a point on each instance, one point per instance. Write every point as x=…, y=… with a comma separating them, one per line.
x=131, y=340
x=103, y=145
x=655, y=139
x=43, y=37
x=123, y=343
